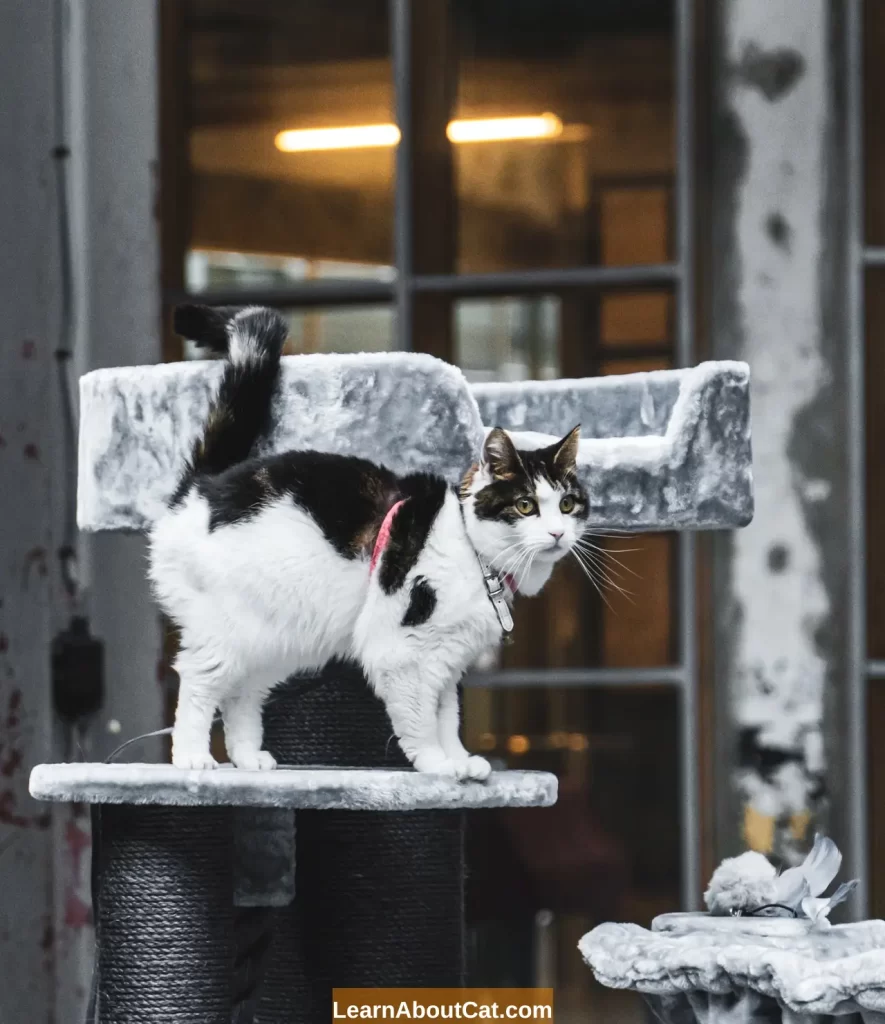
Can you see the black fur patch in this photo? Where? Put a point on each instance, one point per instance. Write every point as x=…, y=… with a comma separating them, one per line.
x=410, y=528
x=497, y=500
x=347, y=497
x=204, y=325
x=421, y=603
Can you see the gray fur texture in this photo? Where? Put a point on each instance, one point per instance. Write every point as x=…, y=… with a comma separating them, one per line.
x=324, y=789
x=662, y=450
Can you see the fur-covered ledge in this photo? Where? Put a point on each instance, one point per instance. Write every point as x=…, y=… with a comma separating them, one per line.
x=324, y=789
x=735, y=965
x=663, y=450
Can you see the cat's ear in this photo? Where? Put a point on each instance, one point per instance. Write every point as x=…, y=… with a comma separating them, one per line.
x=500, y=455
x=565, y=454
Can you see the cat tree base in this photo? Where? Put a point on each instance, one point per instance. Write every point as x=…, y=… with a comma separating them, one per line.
x=208, y=909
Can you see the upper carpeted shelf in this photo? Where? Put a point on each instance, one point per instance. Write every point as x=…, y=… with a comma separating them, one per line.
x=662, y=450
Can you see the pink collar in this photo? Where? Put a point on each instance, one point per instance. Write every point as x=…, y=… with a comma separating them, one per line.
x=384, y=534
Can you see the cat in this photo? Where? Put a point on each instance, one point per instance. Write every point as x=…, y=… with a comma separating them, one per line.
x=272, y=565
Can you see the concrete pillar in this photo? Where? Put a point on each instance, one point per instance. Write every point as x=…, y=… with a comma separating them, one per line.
x=114, y=137
x=109, y=89
x=29, y=300
x=112, y=113
x=781, y=615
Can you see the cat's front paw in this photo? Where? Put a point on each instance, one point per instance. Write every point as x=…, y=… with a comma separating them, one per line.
x=254, y=760
x=193, y=761
x=435, y=762
x=477, y=767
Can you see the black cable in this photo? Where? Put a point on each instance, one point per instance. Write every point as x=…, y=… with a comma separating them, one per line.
x=756, y=911
x=61, y=153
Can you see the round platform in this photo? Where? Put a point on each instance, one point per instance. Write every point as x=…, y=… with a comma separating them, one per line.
x=695, y=968
x=324, y=789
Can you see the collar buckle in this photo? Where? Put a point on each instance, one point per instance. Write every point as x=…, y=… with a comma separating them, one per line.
x=495, y=590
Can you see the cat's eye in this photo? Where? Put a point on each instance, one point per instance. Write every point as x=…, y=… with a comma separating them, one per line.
x=526, y=506
x=567, y=504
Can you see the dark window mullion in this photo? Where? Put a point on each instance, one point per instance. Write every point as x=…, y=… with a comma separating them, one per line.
x=307, y=295
x=521, y=282
x=403, y=222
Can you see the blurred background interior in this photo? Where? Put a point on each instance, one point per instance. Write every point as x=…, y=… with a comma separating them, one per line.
x=528, y=189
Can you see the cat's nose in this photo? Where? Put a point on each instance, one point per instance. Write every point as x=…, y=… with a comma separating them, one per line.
x=556, y=535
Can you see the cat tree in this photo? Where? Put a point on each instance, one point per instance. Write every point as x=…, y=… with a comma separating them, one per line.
x=245, y=896
x=765, y=951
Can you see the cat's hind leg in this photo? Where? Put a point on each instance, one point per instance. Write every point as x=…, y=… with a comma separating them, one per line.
x=244, y=729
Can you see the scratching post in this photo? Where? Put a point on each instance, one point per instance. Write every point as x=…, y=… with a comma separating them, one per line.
x=242, y=896
x=188, y=893
x=163, y=915
x=391, y=911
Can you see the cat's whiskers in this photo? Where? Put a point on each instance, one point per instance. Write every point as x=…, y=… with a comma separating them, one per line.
x=527, y=568
x=514, y=565
x=518, y=544
x=597, y=560
x=591, y=575
x=608, y=553
x=602, y=573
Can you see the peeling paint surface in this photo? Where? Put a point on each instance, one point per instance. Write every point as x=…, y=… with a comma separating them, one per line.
x=29, y=295
x=777, y=102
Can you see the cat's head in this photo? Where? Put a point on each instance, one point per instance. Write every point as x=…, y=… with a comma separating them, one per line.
x=524, y=506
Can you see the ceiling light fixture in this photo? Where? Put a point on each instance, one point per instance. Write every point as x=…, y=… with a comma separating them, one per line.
x=363, y=136
x=371, y=136
x=501, y=129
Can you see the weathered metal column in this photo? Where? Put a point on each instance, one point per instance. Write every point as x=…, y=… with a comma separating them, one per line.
x=29, y=299
x=782, y=616
x=110, y=89
x=102, y=71
x=115, y=60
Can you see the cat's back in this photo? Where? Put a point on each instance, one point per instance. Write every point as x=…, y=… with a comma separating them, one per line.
x=310, y=517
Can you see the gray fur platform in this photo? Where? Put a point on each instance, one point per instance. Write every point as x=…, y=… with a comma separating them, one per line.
x=694, y=968
x=662, y=450
x=339, y=789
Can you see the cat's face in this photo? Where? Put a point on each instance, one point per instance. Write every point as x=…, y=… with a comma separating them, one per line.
x=525, y=506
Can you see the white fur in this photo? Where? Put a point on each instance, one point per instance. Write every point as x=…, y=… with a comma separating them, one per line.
x=260, y=600
x=242, y=347
x=742, y=883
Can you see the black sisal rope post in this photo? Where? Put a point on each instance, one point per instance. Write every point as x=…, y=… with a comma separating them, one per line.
x=379, y=895
x=164, y=907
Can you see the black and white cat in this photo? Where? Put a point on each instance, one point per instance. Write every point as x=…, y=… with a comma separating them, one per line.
x=274, y=565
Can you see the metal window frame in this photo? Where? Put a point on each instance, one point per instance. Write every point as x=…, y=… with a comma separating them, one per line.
x=859, y=257
x=677, y=276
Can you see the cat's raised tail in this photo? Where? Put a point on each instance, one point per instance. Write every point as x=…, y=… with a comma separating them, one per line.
x=253, y=340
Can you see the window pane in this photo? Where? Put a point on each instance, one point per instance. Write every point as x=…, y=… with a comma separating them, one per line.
x=636, y=319
x=874, y=124
x=508, y=339
x=593, y=84
x=875, y=707
x=269, y=66
x=874, y=303
x=208, y=269
x=609, y=850
x=576, y=334
x=345, y=329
